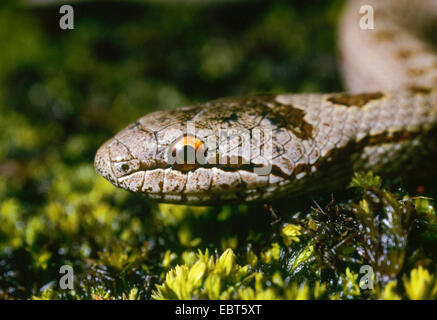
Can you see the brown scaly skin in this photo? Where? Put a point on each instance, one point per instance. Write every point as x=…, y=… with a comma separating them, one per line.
x=294, y=143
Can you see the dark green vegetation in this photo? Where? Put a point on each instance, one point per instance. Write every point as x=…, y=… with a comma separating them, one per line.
x=63, y=93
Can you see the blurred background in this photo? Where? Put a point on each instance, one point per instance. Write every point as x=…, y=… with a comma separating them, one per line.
x=64, y=92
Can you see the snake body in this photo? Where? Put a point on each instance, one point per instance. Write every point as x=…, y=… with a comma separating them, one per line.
x=264, y=147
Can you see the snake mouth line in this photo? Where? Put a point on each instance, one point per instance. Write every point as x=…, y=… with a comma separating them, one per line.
x=275, y=170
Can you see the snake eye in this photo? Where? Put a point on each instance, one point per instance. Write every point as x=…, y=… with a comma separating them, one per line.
x=187, y=153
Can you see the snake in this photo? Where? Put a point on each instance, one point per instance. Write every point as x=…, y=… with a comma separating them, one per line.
x=273, y=146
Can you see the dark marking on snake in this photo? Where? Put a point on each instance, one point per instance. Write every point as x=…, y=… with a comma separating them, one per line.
x=405, y=54
x=292, y=118
x=419, y=90
x=385, y=35
x=416, y=72
x=357, y=100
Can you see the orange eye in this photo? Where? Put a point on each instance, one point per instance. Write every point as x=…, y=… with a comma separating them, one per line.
x=187, y=153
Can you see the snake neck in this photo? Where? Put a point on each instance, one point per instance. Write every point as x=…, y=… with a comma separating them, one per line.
x=393, y=55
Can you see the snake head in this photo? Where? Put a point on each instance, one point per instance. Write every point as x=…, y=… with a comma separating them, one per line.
x=161, y=157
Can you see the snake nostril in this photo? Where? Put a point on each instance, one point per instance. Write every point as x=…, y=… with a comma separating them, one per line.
x=125, y=167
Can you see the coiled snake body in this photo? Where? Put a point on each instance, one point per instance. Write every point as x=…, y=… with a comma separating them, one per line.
x=264, y=147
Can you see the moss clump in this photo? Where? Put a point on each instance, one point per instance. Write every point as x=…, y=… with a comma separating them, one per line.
x=223, y=278
x=320, y=256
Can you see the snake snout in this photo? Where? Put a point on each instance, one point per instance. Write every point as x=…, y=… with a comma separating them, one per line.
x=102, y=164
